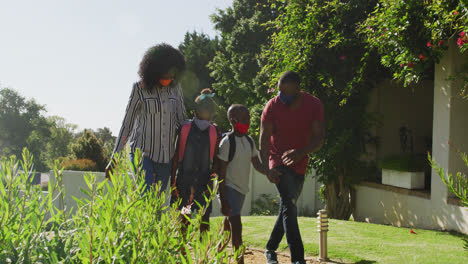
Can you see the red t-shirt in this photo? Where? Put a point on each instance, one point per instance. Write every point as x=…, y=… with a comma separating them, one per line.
x=291, y=128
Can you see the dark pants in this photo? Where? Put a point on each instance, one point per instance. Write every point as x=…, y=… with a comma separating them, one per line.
x=154, y=172
x=289, y=188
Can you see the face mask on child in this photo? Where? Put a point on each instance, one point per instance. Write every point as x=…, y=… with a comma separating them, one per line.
x=242, y=128
x=201, y=124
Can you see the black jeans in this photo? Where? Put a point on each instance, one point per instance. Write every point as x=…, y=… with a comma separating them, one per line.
x=289, y=188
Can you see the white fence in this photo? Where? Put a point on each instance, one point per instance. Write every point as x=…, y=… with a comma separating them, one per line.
x=308, y=203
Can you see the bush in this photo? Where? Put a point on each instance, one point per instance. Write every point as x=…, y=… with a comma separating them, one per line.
x=266, y=204
x=80, y=165
x=405, y=162
x=88, y=146
x=116, y=223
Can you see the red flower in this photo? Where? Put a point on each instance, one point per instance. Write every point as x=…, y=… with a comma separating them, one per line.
x=441, y=43
x=462, y=34
x=403, y=65
x=461, y=41
x=422, y=57
x=455, y=12
x=429, y=44
x=411, y=65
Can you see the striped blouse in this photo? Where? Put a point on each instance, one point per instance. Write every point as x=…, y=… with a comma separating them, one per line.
x=151, y=122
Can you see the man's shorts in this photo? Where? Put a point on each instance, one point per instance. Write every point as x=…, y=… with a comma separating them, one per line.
x=235, y=200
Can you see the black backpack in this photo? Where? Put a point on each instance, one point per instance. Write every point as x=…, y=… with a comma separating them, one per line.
x=232, y=144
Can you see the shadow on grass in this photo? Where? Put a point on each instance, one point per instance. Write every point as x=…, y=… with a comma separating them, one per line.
x=462, y=236
x=358, y=262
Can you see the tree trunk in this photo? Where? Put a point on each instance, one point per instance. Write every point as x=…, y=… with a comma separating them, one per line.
x=339, y=198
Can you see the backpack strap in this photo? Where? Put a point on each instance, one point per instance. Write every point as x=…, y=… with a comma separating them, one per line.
x=184, y=135
x=250, y=140
x=213, y=138
x=183, y=139
x=232, y=145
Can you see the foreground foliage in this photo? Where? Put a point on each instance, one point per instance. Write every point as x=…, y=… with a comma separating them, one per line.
x=115, y=223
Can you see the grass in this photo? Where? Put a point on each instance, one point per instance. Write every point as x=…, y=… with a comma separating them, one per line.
x=356, y=242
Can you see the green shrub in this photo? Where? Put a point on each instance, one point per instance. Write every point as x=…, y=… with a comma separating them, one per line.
x=411, y=163
x=80, y=165
x=116, y=223
x=456, y=183
x=88, y=146
x=265, y=204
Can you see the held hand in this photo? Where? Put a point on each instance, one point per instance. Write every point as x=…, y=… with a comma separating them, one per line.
x=109, y=169
x=273, y=176
x=225, y=208
x=292, y=156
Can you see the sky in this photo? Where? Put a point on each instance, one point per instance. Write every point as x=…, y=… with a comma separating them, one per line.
x=80, y=58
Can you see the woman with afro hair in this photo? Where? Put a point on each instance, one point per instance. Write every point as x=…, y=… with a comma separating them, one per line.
x=154, y=113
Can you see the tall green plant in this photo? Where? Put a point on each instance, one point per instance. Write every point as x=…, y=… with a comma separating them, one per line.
x=319, y=40
x=456, y=183
x=115, y=223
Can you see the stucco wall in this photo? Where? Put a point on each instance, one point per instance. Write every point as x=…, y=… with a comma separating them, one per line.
x=450, y=131
x=385, y=207
x=398, y=106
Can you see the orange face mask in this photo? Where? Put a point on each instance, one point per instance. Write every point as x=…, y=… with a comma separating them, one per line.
x=165, y=82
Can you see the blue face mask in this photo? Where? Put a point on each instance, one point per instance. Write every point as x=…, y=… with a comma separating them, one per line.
x=286, y=99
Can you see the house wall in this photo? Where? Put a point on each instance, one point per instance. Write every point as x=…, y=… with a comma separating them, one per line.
x=449, y=129
x=398, y=106
x=386, y=207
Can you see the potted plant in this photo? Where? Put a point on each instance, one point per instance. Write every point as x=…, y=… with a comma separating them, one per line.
x=404, y=170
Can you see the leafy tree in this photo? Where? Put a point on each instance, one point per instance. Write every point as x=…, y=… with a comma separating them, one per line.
x=243, y=35
x=319, y=40
x=107, y=139
x=411, y=36
x=22, y=124
x=199, y=50
x=61, y=138
x=88, y=146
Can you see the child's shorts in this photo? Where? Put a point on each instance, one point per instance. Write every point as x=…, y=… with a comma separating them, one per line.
x=235, y=200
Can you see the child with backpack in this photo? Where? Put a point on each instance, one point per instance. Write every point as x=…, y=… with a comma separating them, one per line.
x=197, y=146
x=237, y=152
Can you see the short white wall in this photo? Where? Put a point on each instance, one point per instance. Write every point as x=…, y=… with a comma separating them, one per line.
x=72, y=183
x=308, y=203
x=387, y=207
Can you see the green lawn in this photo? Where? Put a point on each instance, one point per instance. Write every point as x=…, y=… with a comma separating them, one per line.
x=356, y=242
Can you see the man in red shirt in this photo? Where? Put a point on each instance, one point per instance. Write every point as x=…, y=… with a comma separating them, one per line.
x=292, y=127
